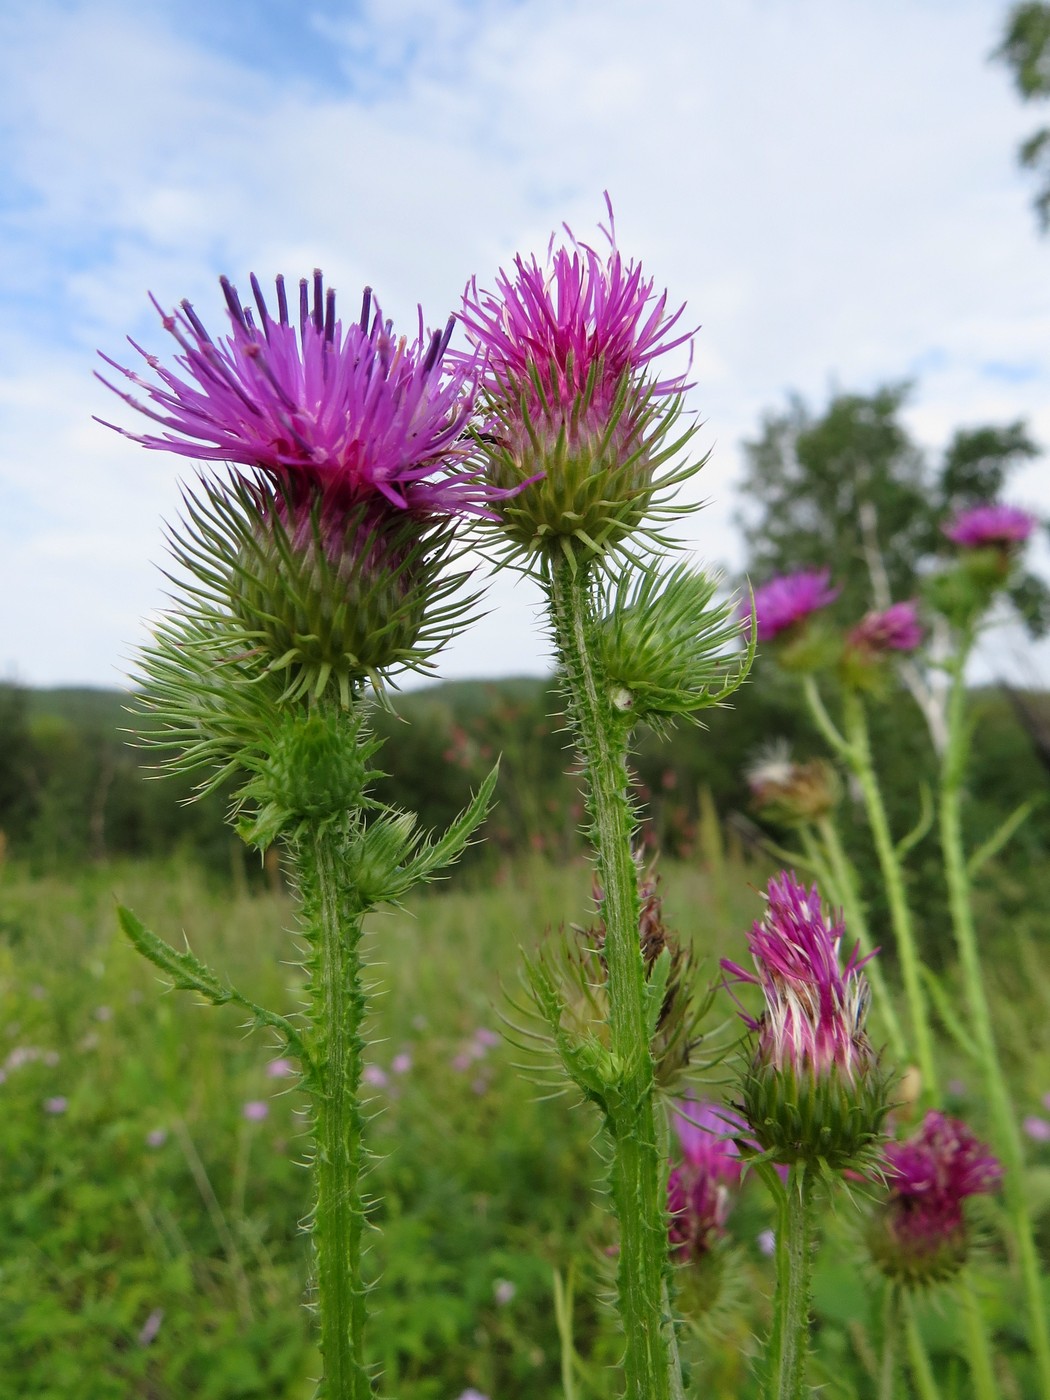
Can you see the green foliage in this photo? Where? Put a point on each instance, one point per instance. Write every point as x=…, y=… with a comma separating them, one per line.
x=850, y=490
x=1025, y=49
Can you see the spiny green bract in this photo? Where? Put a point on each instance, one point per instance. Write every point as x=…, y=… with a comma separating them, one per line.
x=663, y=642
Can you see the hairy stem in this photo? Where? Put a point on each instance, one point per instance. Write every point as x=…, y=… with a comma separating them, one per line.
x=1004, y=1120
x=854, y=748
x=332, y=916
x=638, y=1173
x=890, y=1328
x=789, y=1341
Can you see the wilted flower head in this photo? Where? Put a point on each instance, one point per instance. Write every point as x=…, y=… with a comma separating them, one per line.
x=356, y=412
x=994, y=525
x=896, y=628
x=788, y=598
x=570, y=348
x=919, y=1235
x=790, y=793
x=814, y=1088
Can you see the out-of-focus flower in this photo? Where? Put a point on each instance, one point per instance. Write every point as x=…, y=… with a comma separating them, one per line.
x=356, y=412
x=1038, y=1129
x=767, y=1242
x=156, y=1137
x=578, y=413
x=151, y=1327
x=504, y=1291
x=56, y=1105
x=374, y=1076
x=989, y=526
x=255, y=1110
x=280, y=1069
x=790, y=793
x=919, y=1235
x=698, y=1189
x=401, y=1063
x=814, y=1089
x=788, y=599
x=896, y=628
x=471, y=1394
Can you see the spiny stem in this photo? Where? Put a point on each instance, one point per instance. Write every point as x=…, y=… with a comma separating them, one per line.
x=921, y=1370
x=847, y=894
x=638, y=1172
x=789, y=1341
x=1004, y=1120
x=855, y=750
x=890, y=1325
x=332, y=923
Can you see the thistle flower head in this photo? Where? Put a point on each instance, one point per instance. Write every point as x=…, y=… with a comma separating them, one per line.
x=579, y=412
x=699, y=1188
x=896, y=628
x=989, y=526
x=814, y=1089
x=919, y=1235
x=791, y=793
x=789, y=598
x=354, y=412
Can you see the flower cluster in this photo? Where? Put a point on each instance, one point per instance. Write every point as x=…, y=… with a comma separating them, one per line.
x=577, y=413
x=814, y=1089
x=919, y=1235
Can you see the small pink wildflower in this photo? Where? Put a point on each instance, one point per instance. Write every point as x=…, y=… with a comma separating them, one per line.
x=894, y=629
x=151, y=1327
x=255, y=1110
x=56, y=1105
x=788, y=598
x=1038, y=1129
x=374, y=1077
x=402, y=1063
x=280, y=1069
x=767, y=1243
x=156, y=1137
x=504, y=1291
x=989, y=525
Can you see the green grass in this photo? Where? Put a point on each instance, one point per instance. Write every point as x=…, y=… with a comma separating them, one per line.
x=150, y=1240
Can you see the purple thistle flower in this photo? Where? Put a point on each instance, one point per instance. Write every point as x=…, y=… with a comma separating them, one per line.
x=894, y=629
x=698, y=1190
x=814, y=1089
x=815, y=1010
x=993, y=525
x=577, y=410
x=920, y=1234
x=255, y=1110
x=353, y=411
x=1036, y=1128
x=788, y=599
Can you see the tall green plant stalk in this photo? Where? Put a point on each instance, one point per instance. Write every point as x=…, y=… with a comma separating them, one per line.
x=918, y=1357
x=331, y=915
x=1004, y=1121
x=789, y=1340
x=638, y=1172
x=854, y=748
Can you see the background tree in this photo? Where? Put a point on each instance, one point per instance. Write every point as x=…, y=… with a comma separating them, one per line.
x=1026, y=51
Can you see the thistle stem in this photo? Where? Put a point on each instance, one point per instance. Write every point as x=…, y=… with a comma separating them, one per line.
x=919, y=1361
x=854, y=748
x=890, y=1327
x=332, y=916
x=1004, y=1121
x=638, y=1172
x=978, y=1348
x=789, y=1340
x=846, y=893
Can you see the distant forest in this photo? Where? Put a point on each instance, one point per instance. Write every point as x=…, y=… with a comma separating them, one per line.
x=75, y=788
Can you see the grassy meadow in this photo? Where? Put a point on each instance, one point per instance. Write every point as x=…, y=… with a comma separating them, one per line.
x=153, y=1192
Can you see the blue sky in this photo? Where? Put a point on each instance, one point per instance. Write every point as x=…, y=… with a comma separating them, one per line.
x=831, y=187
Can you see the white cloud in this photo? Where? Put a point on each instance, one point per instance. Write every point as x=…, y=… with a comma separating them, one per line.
x=830, y=187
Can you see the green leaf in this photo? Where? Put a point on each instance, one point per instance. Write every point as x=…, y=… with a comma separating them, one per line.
x=189, y=974
x=1000, y=837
